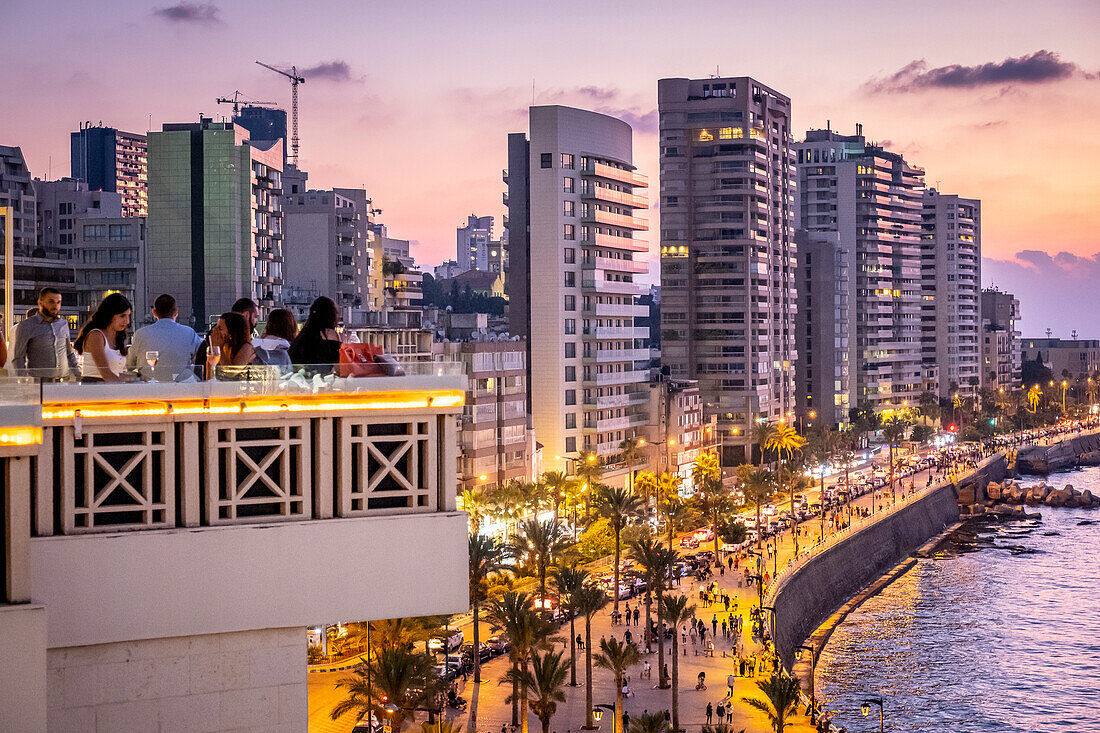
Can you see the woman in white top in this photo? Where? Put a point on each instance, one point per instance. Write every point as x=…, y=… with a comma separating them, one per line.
x=101, y=343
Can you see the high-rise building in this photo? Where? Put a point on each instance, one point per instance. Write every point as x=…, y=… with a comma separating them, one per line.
x=112, y=160
x=17, y=191
x=1001, y=347
x=265, y=125
x=727, y=250
x=951, y=261
x=678, y=432
x=859, y=276
x=573, y=196
x=215, y=227
x=326, y=248
x=472, y=249
x=447, y=270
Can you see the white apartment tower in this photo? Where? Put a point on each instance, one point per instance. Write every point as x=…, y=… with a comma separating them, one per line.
x=951, y=262
x=861, y=207
x=727, y=250
x=572, y=215
x=473, y=243
x=1001, y=344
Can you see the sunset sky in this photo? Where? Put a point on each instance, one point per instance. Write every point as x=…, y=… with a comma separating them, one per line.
x=413, y=100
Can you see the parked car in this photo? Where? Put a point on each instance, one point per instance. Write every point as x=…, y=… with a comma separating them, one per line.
x=449, y=643
x=689, y=541
x=498, y=643
x=485, y=652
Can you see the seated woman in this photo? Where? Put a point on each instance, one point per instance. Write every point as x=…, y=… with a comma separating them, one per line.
x=318, y=342
x=230, y=346
x=101, y=343
x=273, y=348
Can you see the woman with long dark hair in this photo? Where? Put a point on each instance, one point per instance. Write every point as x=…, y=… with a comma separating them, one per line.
x=318, y=342
x=230, y=345
x=101, y=343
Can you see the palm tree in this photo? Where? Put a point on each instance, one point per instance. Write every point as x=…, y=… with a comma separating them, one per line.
x=617, y=656
x=794, y=481
x=785, y=441
x=648, y=723
x=514, y=614
x=589, y=471
x=441, y=725
x=713, y=497
x=757, y=484
x=543, y=682
x=405, y=679
x=780, y=700
x=589, y=601
x=617, y=506
x=556, y=483
x=720, y=728
x=476, y=503
x=761, y=432
x=820, y=444
x=630, y=450
x=537, y=542
x=676, y=613
x=894, y=429
x=568, y=581
x=487, y=557
x=668, y=486
x=645, y=484
x=658, y=563
x=403, y=633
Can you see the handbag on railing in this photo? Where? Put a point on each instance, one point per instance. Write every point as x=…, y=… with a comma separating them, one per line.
x=357, y=360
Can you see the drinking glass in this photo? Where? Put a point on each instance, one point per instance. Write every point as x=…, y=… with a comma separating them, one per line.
x=151, y=358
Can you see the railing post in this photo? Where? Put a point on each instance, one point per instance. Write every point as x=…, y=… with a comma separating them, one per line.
x=190, y=471
x=17, y=528
x=324, y=467
x=447, y=463
x=44, y=486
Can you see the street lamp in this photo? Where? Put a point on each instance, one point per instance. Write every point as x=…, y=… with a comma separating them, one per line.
x=813, y=667
x=1064, y=385
x=865, y=708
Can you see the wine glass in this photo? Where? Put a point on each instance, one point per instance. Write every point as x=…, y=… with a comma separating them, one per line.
x=213, y=354
x=151, y=358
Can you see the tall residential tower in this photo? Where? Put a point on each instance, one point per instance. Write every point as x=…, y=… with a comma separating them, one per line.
x=859, y=276
x=112, y=160
x=727, y=250
x=573, y=197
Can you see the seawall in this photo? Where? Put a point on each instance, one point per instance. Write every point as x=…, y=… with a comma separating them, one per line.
x=1044, y=459
x=810, y=593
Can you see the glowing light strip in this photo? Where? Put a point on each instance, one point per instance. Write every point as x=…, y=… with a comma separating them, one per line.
x=265, y=405
x=20, y=436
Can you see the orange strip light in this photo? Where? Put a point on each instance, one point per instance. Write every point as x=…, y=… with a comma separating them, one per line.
x=231, y=406
x=20, y=436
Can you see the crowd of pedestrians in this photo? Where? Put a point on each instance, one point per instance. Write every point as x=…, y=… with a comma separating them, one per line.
x=165, y=350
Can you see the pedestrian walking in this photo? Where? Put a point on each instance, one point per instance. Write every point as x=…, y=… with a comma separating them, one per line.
x=635, y=616
x=710, y=713
x=580, y=641
x=721, y=711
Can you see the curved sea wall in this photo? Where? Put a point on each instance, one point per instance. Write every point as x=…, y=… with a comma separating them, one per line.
x=806, y=596
x=1043, y=459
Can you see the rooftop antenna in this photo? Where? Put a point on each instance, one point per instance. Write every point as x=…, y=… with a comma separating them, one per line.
x=1073, y=334
x=295, y=80
x=1048, y=332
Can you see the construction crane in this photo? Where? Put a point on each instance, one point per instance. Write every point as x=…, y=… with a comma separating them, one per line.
x=236, y=100
x=295, y=80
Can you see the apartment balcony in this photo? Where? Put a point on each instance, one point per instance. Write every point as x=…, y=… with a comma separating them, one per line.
x=614, y=378
x=612, y=287
x=614, y=264
x=596, y=216
x=607, y=310
x=613, y=240
x=153, y=521
x=609, y=332
x=602, y=170
x=622, y=198
x=504, y=175
x=620, y=423
x=603, y=356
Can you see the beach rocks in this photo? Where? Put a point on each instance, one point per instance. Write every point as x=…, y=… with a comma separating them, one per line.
x=993, y=491
x=1089, y=458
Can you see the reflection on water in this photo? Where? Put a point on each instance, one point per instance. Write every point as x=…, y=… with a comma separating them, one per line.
x=999, y=633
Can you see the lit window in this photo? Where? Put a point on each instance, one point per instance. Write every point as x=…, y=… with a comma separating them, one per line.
x=705, y=136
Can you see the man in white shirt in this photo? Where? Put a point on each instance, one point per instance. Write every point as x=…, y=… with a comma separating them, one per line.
x=174, y=343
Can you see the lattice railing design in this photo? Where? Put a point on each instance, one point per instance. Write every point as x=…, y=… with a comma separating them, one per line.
x=385, y=466
x=122, y=478
x=257, y=472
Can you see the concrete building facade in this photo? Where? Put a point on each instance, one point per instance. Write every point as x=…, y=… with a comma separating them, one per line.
x=727, y=249
x=17, y=191
x=1076, y=357
x=326, y=247
x=61, y=207
x=679, y=429
x=951, y=265
x=215, y=229
x=860, y=208
x=573, y=198
x=112, y=160
x=1001, y=343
